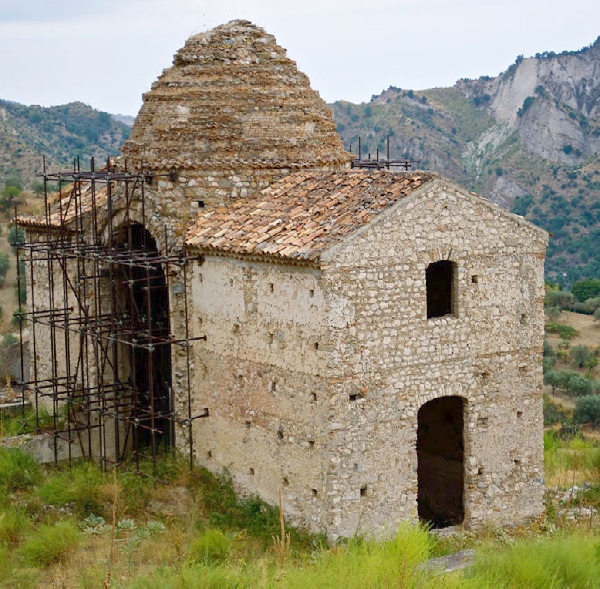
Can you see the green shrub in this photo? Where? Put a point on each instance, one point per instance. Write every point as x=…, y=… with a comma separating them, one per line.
x=587, y=410
x=49, y=543
x=581, y=356
x=564, y=331
x=211, y=547
x=587, y=288
x=368, y=564
x=16, y=236
x=553, y=413
x=562, y=299
x=79, y=486
x=548, y=363
x=9, y=339
x=549, y=351
x=13, y=524
x=18, y=470
x=4, y=266
x=552, y=312
x=588, y=307
x=6, y=565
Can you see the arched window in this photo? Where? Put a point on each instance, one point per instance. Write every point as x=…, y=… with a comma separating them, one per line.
x=440, y=278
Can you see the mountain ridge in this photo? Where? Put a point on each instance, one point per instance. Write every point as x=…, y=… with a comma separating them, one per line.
x=58, y=133
x=527, y=139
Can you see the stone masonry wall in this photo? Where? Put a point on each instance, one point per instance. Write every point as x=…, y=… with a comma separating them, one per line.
x=260, y=373
x=392, y=359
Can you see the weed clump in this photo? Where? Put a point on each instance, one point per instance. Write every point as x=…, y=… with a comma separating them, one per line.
x=18, y=470
x=561, y=561
x=211, y=547
x=49, y=543
x=79, y=487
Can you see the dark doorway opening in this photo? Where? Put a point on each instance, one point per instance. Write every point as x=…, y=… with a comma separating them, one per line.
x=439, y=278
x=143, y=301
x=440, y=455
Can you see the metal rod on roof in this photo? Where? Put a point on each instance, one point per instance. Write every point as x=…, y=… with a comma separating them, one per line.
x=388, y=151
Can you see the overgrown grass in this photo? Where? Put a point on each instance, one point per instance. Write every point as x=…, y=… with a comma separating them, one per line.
x=367, y=564
x=51, y=532
x=49, y=543
x=14, y=523
x=569, y=462
x=27, y=423
x=566, y=560
x=18, y=470
x=358, y=564
x=79, y=487
x=225, y=510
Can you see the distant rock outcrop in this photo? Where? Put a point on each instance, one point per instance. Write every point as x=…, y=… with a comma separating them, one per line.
x=528, y=139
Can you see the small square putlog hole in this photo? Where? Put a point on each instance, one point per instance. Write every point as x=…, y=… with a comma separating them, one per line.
x=363, y=491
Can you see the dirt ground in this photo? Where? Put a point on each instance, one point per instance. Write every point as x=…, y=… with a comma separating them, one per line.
x=589, y=330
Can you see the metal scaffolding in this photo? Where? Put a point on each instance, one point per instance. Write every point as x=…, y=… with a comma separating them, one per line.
x=100, y=338
x=379, y=163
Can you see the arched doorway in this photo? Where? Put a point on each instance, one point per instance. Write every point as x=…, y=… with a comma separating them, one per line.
x=143, y=301
x=440, y=455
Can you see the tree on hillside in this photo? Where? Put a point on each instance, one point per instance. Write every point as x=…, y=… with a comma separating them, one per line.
x=563, y=299
x=555, y=379
x=12, y=189
x=587, y=410
x=579, y=386
x=586, y=289
x=583, y=357
x=15, y=236
x=4, y=266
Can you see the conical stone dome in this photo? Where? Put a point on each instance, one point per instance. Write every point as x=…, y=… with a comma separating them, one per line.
x=234, y=101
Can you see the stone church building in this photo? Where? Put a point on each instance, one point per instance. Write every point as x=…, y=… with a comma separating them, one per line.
x=369, y=342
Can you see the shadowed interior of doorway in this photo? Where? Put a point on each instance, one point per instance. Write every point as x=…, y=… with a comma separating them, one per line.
x=440, y=454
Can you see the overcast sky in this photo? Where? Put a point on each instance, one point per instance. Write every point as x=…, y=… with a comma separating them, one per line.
x=106, y=53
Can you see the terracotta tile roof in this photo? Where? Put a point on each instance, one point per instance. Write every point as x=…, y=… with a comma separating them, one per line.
x=302, y=215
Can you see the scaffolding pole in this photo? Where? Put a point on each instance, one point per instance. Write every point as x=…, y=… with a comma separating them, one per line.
x=99, y=321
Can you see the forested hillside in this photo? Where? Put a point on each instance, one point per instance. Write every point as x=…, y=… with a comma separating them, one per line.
x=61, y=133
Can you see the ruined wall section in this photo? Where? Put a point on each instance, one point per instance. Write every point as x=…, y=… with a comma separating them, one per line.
x=260, y=374
x=232, y=115
x=387, y=359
